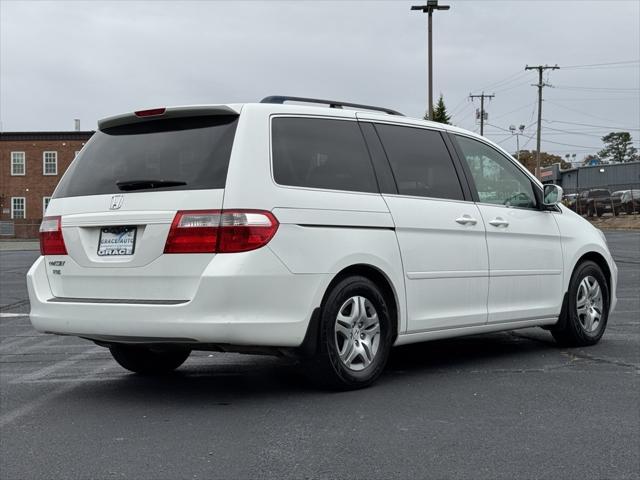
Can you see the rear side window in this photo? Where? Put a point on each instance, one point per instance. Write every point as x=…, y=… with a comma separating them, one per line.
x=321, y=153
x=192, y=152
x=420, y=162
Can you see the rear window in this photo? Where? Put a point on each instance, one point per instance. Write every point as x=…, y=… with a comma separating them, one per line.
x=193, y=152
x=321, y=153
x=599, y=193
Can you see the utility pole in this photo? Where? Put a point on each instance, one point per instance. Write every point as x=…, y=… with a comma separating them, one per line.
x=482, y=96
x=429, y=8
x=540, y=85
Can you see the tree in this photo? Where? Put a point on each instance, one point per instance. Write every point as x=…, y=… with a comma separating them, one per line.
x=439, y=112
x=528, y=159
x=618, y=147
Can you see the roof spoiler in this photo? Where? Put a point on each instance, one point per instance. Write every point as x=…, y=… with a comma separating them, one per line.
x=162, y=113
x=331, y=103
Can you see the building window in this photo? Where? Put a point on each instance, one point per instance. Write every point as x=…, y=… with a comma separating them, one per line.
x=50, y=163
x=18, y=207
x=17, y=163
x=45, y=204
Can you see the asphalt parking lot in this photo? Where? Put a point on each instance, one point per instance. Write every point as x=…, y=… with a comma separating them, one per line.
x=507, y=405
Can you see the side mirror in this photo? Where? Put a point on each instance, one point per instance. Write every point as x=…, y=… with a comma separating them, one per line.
x=551, y=195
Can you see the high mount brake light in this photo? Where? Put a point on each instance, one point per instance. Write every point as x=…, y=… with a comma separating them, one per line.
x=152, y=112
x=220, y=231
x=51, y=240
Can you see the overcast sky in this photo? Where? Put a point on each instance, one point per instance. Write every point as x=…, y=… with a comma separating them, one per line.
x=88, y=59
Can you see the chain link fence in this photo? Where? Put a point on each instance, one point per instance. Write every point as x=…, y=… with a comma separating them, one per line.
x=612, y=200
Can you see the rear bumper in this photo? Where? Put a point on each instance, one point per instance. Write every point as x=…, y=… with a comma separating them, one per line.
x=247, y=299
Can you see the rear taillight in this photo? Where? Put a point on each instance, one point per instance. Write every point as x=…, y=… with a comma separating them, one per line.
x=220, y=231
x=51, y=240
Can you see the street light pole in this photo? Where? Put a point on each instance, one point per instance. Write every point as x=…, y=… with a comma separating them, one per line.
x=512, y=129
x=429, y=8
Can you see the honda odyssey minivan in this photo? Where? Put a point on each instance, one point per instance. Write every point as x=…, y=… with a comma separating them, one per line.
x=323, y=230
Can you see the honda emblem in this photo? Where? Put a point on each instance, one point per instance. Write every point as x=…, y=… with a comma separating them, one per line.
x=116, y=202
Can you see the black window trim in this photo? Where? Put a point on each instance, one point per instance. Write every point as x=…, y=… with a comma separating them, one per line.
x=537, y=191
x=318, y=189
x=383, y=159
x=466, y=192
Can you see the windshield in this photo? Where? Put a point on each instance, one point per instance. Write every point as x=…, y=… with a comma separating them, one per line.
x=171, y=154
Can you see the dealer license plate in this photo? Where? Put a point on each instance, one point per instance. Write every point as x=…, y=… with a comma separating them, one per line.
x=116, y=241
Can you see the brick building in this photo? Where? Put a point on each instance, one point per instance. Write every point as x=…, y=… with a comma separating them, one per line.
x=31, y=165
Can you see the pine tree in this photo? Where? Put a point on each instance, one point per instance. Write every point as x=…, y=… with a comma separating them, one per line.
x=618, y=147
x=439, y=112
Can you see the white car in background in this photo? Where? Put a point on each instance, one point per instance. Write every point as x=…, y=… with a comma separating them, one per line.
x=331, y=234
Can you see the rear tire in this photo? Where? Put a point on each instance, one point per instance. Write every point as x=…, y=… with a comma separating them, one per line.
x=145, y=361
x=356, y=335
x=585, y=318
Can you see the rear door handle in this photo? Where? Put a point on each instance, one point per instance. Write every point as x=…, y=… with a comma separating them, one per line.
x=499, y=222
x=466, y=220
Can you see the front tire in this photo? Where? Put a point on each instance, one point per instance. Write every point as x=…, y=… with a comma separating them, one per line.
x=356, y=335
x=584, y=321
x=143, y=360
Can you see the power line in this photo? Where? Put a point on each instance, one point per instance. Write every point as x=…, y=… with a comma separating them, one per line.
x=458, y=105
x=512, y=87
x=572, y=145
x=575, y=110
x=610, y=89
x=589, y=125
x=514, y=110
x=509, y=79
x=592, y=99
x=607, y=64
x=575, y=132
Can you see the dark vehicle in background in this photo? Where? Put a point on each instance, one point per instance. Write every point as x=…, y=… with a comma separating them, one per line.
x=596, y=201
x=627, y=201
x=616, y=201
x=569, y=200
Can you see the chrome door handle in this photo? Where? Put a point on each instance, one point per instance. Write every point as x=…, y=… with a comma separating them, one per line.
x=466, y=220
x=499, y=222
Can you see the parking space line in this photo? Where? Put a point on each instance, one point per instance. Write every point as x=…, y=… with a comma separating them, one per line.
x=12, y=315
x=29, y=348
x=43, y=372
x=17, y=341
x=13, y=415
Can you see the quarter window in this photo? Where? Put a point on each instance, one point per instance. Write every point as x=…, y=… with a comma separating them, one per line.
x=420, y=162
x=498, y=181
x=45, y=204
x=18, y=207
x=321, y=153
x=50, y=163
x=17, y=163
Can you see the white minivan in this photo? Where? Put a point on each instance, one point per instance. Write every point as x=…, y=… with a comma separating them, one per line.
x=330, y=234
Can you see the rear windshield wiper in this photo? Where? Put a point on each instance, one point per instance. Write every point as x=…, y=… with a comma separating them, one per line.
x=127, y=185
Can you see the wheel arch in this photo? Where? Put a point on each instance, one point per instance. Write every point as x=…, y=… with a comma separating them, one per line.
x=599, y=260
x=376, y=275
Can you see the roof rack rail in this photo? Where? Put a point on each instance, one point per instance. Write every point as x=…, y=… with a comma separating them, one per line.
x=331, y=103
